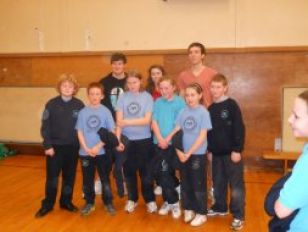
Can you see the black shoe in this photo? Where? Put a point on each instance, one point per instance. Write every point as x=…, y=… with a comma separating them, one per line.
x=110, y=209
x=42, y=212
x=69, y=207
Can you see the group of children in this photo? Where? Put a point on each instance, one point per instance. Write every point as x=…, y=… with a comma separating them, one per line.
x=153, y=133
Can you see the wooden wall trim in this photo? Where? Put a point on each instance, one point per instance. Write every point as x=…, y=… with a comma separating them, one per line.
x=162, y=52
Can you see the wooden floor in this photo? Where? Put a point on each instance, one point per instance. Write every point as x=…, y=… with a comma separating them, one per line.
x=22, y=180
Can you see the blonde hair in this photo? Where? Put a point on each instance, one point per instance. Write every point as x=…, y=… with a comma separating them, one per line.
x=171, y=81
x=220, y=78
x=136, y=74
x=70, y=78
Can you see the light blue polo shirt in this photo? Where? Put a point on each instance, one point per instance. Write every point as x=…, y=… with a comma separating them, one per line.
x=133, y=106
x=191, y=121
x=294, y=194
x=89, y=121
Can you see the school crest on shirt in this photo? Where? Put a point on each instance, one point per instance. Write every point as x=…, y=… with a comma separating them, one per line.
x=224, y=114
x=93, y=122
x=190, y=123
x=75, y=113
x=133, y=108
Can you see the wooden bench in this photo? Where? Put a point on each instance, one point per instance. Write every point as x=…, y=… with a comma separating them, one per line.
x=280, y=155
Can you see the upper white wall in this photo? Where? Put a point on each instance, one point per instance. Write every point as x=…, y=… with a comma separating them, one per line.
x=104, y=25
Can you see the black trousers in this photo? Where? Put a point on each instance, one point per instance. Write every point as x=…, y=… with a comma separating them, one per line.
x=225, y=173
x=102, y=164
x=193, y=184
x=139, y=155
x=118, y=159
x=64, y=160
x=166, y=174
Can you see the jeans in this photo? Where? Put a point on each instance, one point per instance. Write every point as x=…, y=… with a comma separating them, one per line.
x=226, y=172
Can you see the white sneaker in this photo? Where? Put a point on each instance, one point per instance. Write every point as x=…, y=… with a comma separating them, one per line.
x=98, y=187
x=130, y=206
x=188, y=215
x=198, y=220
x=151, y=207
x=178, y=189
x=176, y=210
x=164, y=209
x=158, y=190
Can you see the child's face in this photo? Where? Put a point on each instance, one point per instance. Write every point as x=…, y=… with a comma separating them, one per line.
x=217, y=89
x=156, y=75
x=118, y=67
x=192, y=97
x=95, y=96
x=166, y=89
x=133, y=84
x=299, y=118
x=67, y=89
x=195, y=56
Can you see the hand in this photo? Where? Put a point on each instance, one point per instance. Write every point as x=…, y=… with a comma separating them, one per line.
x=162, y=143
x=50, y=152
x=209, y=156
x=96, y=149
x=120, y=147
x=236, y=157
x=88, y=151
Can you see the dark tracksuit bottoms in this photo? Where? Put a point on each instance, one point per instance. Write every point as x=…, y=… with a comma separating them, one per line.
x=65, y=159
x=139, y=155
x=102, y=164
x=193, y=184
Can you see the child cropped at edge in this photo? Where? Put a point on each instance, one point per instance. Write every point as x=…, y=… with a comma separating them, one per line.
x=61, y=144
x=92, y=153
x=294, y=194
x=166, y=110
x=226, y=143
x=194, y=121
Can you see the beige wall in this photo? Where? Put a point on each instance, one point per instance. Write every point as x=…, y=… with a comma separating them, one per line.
x=104, y=25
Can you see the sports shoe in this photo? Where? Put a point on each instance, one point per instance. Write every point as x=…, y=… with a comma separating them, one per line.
x=158, y=190
x=188, y=215
x=212, y=212
x=164, y=209
x=176, y=210
x=237, y=224
x=130, y=206
x=198, y=220
x=110, y=209
x=87, y=209
x=151, y=207
x=98, y=187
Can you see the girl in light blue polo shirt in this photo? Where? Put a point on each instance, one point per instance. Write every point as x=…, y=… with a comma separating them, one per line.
x=194, y=120
x=133, y=113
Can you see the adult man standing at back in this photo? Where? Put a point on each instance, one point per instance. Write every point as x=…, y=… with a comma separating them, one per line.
x=114, y=84
x=197, y=72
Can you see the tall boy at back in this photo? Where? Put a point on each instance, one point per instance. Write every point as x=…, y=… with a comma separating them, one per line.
x=114, y=84
x=226, y=142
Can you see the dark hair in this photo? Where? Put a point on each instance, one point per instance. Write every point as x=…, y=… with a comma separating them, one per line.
x=95, y=85
x=118, y=57
x=150, y=84
x=199, y=45
x=304, y=96
x=136, y=74
x=197, y=88
x=220, y=78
